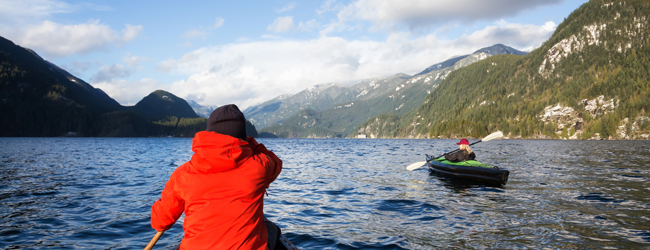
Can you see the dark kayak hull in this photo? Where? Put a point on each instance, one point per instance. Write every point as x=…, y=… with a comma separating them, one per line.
x=494, y=176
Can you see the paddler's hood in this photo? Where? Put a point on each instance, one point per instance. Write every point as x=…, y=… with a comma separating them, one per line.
x=215, y=152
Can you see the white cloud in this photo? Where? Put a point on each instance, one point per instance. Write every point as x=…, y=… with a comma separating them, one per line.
x=281, y=24
x=388, y=14
x=63, y=40
x=133, y=61
x=329, y=5
x=333, y=27
x=129, y=92
x=246, y=73
x=287, y=7
x=218, y=23
x=109, y=73
x=130, y=32
x=523, y=36
x=77, y=67
x=27, y=10
x=308, y=26
x=96, y=7
x=203, y=32
x=195, y=34
x=167, y=65
x=25, y=22
x=81, y=65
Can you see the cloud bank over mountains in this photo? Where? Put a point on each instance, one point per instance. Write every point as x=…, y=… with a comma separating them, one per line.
x=424, y=13
x=253, y=72
x=334, y=42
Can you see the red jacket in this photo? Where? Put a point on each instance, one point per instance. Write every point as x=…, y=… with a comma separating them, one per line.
x=221, y=192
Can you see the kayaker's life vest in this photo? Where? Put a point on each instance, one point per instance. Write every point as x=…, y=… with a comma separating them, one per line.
x=461, y=155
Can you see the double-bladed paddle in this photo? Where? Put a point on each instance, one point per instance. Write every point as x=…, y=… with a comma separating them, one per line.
x=420, y=164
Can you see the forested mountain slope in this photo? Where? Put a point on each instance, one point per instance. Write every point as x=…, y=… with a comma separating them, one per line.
x=161, y=103
x=589, y=80
x=41, y=99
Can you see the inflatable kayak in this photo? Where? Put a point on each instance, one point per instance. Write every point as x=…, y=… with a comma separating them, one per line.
x=469, y=170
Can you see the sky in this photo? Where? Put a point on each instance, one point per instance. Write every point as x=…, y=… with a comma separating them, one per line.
x=247, y=52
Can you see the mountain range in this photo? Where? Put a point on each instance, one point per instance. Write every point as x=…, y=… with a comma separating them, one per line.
x=336, y=110
x=200, y=110
x=42, y=99
x=590, y=80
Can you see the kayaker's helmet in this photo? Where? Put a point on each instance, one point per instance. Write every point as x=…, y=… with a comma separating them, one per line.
x=463, y=141
x=228, y=120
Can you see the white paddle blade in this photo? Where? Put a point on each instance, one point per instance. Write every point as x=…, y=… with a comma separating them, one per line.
x=494, y=135
x=416, y=165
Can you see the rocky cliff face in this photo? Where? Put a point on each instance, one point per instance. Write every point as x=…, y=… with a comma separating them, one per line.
x=382, y=126
x=568, y=121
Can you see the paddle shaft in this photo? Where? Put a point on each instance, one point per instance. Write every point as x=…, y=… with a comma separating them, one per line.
x=154, y=240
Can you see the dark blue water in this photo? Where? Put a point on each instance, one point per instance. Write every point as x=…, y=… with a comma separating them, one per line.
x=96, y=193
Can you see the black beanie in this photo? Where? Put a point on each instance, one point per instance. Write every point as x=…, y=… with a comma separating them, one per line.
x=228, y=120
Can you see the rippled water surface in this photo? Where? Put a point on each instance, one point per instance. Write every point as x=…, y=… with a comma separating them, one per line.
x=96, y=193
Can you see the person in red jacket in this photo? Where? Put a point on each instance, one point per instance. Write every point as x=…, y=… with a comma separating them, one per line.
x=221, y=189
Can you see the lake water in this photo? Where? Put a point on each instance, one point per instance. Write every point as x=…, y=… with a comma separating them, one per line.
x=96, y=193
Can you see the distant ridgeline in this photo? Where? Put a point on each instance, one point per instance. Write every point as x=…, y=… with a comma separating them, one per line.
x=330, y=111
x=590, y=80
x=41, y=99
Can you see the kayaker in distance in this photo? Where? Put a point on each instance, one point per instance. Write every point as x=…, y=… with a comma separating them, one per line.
x=221, y=189
x=464, y=154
